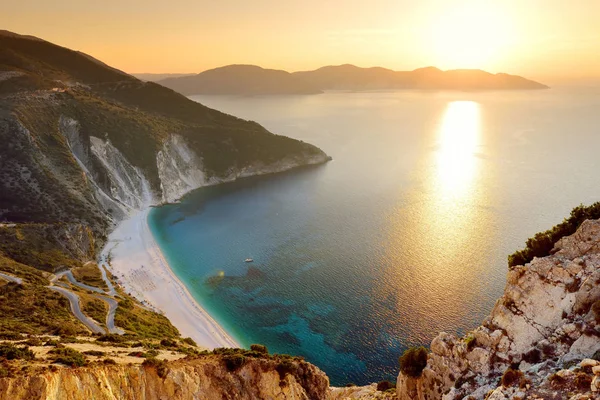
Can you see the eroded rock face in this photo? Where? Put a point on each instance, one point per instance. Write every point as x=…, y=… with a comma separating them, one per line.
x=181, y=380
x=542, y=323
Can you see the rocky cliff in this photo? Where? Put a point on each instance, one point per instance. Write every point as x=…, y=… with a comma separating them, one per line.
x=188, y=379
x=85, y=143
x=538, y=341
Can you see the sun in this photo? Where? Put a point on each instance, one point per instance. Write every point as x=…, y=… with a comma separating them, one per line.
x=472, y=35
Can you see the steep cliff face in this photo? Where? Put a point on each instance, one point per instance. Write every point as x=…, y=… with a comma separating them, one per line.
x=85, y=143
x=547, y=321
x=179, y=380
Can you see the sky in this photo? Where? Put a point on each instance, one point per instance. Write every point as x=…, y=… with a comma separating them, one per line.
x=539, y=39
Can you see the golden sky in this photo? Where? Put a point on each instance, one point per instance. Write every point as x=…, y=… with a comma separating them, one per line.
x=540, y=39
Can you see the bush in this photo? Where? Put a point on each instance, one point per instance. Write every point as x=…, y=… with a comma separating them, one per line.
x=159, y=365
x=385, y=385
x=111, y=338
x=413, y=361
x=286, y=367
x=168, y=343
x=33, y=342
x=12, y=352
x=189, y=341
x=94, y=353
x=68, y=356
x=259, y=348
x=542, y=243
x=471, y=342
x=512, y=377
x=582, y=381
x=234, y=362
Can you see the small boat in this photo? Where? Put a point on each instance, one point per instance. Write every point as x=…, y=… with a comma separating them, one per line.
x=248, y=260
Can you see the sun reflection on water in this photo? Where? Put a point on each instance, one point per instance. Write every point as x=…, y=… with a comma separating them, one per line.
x=458, y=139
x=432, y=241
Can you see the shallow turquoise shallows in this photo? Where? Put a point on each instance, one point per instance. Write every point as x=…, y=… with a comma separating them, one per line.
x=404, y=234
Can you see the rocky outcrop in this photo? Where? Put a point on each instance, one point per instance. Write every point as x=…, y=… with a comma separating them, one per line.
x=194, y=379
x=368, y=392
x=545, y=321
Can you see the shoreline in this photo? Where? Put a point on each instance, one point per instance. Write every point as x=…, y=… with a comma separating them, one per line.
x=143, y=272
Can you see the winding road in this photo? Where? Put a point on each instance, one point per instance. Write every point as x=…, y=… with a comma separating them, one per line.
x=75, y=304
x=76, y=309
x=11, y=278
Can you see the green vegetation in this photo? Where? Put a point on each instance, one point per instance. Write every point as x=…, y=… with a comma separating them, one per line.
x=189, y=341
x=11, y=352
x=259, y=348
x=471, y=342
x=234, y=362
x=143, y=323
x=94, y=353
x=68, y=356
x=44, y=246
x=32, y=308
x=413, y=361
x=90, y=275
x=542, y=243
x=94, y=307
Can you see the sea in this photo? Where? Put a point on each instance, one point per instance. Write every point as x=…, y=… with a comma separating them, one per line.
x=404, y=234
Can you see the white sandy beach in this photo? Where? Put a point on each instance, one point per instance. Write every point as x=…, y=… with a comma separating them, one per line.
x=138, y=264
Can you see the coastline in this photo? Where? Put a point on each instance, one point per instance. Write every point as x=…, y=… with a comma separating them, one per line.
x=141, y=270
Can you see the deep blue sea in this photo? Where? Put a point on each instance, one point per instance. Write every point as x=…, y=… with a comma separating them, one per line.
x=404, y=234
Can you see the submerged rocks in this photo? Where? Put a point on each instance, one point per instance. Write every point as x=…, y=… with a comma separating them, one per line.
x=545, y=322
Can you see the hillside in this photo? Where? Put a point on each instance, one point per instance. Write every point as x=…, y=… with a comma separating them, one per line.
x=86, y=143
x=241, y=80
x=253, y=80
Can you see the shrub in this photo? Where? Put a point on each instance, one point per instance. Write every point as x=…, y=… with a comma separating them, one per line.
x=109, y=361
x=189, y=341
x=582, y=381
x=413, y=361
x=168, y=343
x=111, y=338
x=33, y=342
x=259, y=348
x=12, y=352
x=533, y=356
x=68, y=356
x=471, y=342
x=542, y=243
x=286, y=367
x=159, y=365
x=234, y=362
x=94, y=353
x=512, y=377
x=385, y=385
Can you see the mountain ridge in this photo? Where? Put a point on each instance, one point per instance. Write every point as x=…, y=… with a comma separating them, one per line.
x=235, y=79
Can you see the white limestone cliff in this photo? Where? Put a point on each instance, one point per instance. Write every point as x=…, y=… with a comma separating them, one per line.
x=545, y=322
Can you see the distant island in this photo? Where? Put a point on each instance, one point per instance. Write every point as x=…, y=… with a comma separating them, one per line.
x=242, y=80
x=254, y=80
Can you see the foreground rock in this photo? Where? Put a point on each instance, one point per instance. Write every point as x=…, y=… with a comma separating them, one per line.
x=180, y=380
x=546, y=321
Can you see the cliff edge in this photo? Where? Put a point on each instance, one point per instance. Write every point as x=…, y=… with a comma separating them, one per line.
x=540, y=341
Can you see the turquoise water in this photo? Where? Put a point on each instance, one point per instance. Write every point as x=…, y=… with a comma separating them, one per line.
x=403, y=235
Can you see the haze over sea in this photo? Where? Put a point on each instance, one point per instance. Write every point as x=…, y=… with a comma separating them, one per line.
x=405, y=234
